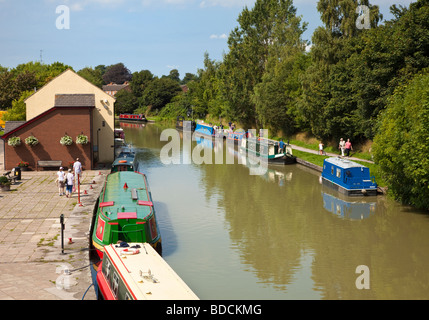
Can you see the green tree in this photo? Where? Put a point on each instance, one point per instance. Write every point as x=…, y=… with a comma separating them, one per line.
x=261, y=30
x=139, y=81
x=401, y=146
x=18, y=110
x=159, y=92
x=126, y=102
x=92, y=75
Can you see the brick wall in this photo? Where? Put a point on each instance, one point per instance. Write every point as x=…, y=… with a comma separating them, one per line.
x=48, y=129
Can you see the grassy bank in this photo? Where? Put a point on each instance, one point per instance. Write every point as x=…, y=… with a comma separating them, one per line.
x=318, y=160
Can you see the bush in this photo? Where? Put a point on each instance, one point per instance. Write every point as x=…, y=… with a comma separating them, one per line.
x=401, y=146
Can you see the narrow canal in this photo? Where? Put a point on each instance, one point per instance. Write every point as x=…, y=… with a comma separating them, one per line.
x=282, y=235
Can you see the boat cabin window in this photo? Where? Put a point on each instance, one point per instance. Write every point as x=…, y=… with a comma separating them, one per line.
x=106, y=269
x=338, y=173
x=115, y=284
x=332, y=170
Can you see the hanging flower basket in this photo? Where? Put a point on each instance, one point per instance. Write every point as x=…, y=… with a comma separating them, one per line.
x=14, y=141
x=66, y=140
x=31, y=141
x=82, y=139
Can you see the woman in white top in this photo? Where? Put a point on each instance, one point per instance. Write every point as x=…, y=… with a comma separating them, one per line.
x=61, y=181
x=69, y=183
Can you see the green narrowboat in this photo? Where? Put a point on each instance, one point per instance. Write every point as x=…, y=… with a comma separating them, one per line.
x=125, y=162
x=125, y=212
x=269, y=149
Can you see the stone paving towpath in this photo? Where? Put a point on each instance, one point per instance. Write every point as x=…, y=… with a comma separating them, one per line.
x=32, y=265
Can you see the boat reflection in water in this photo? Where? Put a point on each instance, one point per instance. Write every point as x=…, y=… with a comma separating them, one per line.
x=346, y=207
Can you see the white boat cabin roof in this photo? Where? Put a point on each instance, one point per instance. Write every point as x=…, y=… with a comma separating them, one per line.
x=344, y=163
x=148, y=275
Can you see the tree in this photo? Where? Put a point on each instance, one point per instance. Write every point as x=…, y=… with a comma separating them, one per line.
x=401, y=146
x=18, y=110
x=189, y=77
x=329, y=100
x=117, y=73
x=261, y=33
x=173, y=75
x=92, y=75
x=126, y=102
x=12, y=86
x=159, y=92
x=139, y=81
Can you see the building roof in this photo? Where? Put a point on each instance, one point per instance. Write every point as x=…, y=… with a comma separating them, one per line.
x=12, y=125
x=115, y=87
x=74, y=100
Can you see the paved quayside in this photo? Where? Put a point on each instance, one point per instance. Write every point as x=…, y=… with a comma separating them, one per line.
x=31, y=261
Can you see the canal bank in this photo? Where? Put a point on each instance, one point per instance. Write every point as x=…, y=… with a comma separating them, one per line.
x=33, y=265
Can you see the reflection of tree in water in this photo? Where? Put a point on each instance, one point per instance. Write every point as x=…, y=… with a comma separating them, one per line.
x=262, y=224
x=272, y=226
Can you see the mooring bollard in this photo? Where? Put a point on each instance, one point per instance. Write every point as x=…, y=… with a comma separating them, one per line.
x=62, y=233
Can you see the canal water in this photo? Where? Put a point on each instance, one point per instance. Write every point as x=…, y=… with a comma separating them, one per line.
x=281, y=235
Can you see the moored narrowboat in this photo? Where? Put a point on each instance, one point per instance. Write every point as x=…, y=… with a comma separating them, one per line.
x=132, y=117
x=270, y=149
x=185, y=125
x=125, y=162
x=125, y=212
x=236, y=136
x=135, y=271
x=205, y=129
x=348, y=177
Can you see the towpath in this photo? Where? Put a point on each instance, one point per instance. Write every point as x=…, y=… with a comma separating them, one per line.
x=295, y=147
x=32, y=264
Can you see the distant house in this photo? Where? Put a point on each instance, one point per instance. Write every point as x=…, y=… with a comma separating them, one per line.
x=113, y=88
x=67, y=105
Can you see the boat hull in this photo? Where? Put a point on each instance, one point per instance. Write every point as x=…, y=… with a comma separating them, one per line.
x=349, y=192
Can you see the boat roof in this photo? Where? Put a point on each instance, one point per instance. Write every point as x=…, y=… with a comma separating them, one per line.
x=344, y=163
x=147, y=274
x=126, y=196
x=124, y=158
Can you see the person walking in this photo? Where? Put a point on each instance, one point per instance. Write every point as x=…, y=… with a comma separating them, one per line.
x=61, y=181
x=321, y=148
x=77, y=167
x=342, y=146
x=348, y=146
x=69, y=183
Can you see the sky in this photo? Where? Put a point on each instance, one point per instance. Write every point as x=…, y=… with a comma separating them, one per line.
x=154, y=35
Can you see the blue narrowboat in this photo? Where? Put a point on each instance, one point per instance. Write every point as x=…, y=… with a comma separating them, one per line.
x=205, y=129
x=348, y=177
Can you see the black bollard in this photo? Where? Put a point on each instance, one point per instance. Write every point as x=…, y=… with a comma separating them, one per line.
x=62, y=233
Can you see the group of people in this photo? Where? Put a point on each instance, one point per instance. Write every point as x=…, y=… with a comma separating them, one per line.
x=344, y=146
x=67, y=180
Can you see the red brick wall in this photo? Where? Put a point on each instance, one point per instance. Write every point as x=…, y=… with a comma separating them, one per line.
x=49, y=129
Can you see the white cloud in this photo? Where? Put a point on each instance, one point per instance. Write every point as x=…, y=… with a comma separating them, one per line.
x=226, y=3
x=222, y=36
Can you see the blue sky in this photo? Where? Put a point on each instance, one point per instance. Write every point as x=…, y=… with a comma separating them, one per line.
x=157, y=35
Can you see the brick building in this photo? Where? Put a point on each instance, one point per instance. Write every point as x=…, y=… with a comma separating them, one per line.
x=68, y=105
